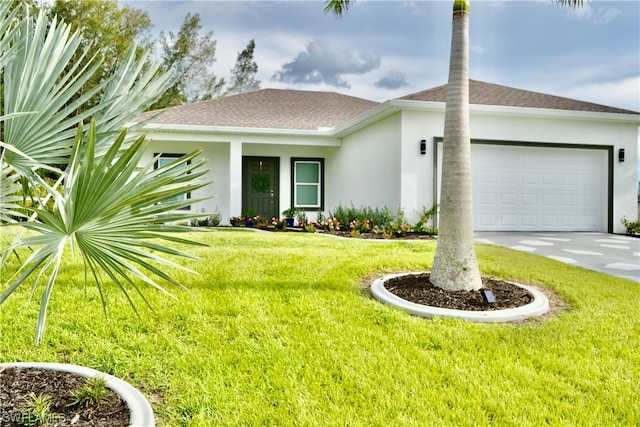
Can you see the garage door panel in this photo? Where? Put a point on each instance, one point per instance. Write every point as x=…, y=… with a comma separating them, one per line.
x=529, y=200
x=538, y=188
x=508, y=199
x=508, y=178
x=508, y=220
x=550, y=179
x=487, y=221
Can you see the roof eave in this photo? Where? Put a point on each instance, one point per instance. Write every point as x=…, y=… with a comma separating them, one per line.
x=394, y=105
x=556, y=113
x=384, y=110
x=322, y=131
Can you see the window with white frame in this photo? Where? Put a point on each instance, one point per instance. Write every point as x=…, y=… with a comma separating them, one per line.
x=307, y=183
x=165, y=159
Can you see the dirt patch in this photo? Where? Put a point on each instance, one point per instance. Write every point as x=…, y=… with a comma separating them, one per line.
x=17, y=384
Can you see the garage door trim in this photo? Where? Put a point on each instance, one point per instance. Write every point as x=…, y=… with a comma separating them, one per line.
x=608, y=148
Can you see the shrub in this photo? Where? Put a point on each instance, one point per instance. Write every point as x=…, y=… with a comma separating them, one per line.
x=302, y=219
x=378, y=217
x=633, y=227
x=212, y=220
x=423, y=226
x=279, y=223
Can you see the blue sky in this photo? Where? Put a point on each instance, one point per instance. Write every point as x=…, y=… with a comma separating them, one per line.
x=385, y=49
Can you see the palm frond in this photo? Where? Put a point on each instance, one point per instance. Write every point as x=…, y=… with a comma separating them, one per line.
x=8, y=28
x=36, y=82
x=134, y=87
x=10, y=194
x=114, y=213
x=338, y=7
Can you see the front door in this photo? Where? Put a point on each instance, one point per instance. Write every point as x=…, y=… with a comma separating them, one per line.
x=260, y=184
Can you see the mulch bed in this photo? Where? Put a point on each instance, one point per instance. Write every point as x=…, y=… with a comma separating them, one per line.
x=418, y=289
x=16, y=384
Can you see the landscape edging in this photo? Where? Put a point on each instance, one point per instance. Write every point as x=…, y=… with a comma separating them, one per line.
x=537, y=307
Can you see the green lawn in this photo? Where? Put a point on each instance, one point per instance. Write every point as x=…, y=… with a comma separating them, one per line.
x=277, y=330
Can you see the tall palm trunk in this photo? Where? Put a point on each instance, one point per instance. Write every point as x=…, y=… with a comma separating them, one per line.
x=455, y=266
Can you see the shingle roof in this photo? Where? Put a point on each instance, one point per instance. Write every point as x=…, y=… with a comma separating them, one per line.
x=269, y=108
x=492, y=94
x=307, y=110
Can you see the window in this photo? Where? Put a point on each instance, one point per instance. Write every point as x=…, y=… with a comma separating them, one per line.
x=307, y=183
x=165, y=159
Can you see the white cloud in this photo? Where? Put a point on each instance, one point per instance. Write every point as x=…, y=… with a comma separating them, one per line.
x=606, y=15
x=601, y=15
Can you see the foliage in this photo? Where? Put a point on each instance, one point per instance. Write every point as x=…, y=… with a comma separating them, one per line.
x=330, y=224
x=302, y=219
x=279, y=223
x=367, y=219
x=41, y=96
x=189, y=56
x=237, y=221
x=260, y=221
x=107, y=205
x=243, y=75
x=212, y=220
x=110, y=211
x=424, y=224
x=12, y=197
x=93, y=391
x=377, y=218
x=108, y=29
x=37, y=410
x=632, y=227
x=248, y=213
x=289, y=213
x=278, y=329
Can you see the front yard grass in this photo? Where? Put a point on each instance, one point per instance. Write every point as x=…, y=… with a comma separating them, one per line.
x=277, y=330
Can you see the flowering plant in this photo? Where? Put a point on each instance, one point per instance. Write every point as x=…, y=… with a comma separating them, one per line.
x=279, y=223
x=360, y=226
x=260, y=221
x=330, y=224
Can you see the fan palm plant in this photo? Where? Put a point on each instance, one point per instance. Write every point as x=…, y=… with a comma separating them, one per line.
x=455, y=266
x=108, y=206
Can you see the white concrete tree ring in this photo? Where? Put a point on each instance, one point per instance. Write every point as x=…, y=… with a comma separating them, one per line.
x=139, y=407
x=537, y=307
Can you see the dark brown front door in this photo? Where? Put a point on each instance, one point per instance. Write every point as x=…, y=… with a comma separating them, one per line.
x=260, y=184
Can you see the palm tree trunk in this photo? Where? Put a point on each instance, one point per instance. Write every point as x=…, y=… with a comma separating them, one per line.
x=455, y=266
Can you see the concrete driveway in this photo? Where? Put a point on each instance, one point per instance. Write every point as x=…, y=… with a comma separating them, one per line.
x=608, y=253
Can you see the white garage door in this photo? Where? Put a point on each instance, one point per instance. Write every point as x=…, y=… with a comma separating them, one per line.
x=539, y=188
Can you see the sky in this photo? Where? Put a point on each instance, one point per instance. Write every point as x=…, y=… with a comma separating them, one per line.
x=386, y=49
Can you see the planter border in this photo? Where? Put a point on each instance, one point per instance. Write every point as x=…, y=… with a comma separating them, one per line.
x=139, y=407
x=537, y=307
